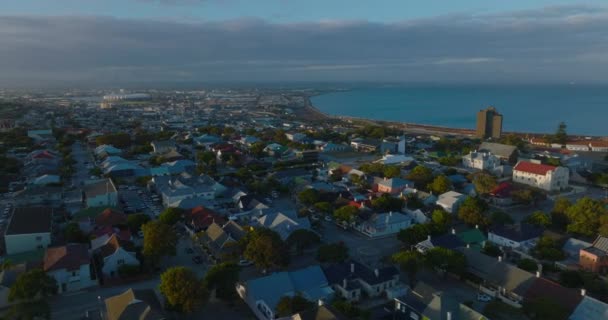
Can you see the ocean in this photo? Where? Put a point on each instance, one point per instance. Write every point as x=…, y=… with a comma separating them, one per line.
x=537, y=109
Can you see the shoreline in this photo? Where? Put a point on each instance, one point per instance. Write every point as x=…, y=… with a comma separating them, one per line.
x=419, y=128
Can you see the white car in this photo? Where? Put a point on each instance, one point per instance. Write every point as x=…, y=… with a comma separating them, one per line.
x=245, y=263
x=328, y=218
x=483, y=297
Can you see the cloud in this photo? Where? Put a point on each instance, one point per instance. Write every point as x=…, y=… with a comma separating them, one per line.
x=553, y=44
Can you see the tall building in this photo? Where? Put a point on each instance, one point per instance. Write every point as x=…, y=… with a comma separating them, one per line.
x=489, y=123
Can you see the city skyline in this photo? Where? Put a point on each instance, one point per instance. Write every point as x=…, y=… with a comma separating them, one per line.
x=228, y=41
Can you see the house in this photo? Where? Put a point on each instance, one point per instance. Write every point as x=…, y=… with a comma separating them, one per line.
x=447, y=241
x=41, y=135
x=296, y=136
x=578, y=145
x=39, y=196
x=263, y=294
x=499, y=279
x=172, y=189
x=395, y=159
x=46, y=179
x=321, y=312
x=544, y=289
x=113, y=254
x=595, y=257
x=281, y=223
x=365, y=145
x=28, y=229
x=134, y=304
x=8, y=276
x=116, y=167
x=450, y=201
x=599, y=146
x=110, y=218
x=504, y=152
x=162, y=147
x=480, y=160
x=206, y=140
x=426, y=302
x=200, y=218
x=222, y=239
x=351, y=280
x=385, y=224
x=101, y=193
x=334, y=147
x=522, y=236
x=572, y=250
x=248, y=141
x=393, y=185
x=590, y=308
x=275, y=150
x=542, y=176
x=473, y=238
x=105, y=150
x=70, y=266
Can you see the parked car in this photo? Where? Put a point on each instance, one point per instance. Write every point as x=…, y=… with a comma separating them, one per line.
x=328, y=218
x=245, y=263
x=483, y=297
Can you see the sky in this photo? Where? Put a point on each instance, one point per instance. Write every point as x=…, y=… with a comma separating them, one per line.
x=440, y=41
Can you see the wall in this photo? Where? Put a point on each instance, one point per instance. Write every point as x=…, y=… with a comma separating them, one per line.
x=19, y=243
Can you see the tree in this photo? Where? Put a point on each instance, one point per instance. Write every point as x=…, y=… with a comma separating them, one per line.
x=324, y=207
x=528, y=265
x=471, y=211
x=266, y=249
x=547, y=249
x=584, y=216
x=410, y=262
x=491, y=250
x=159, y=240
x=222, y=277
x=543, y=308
x=349, y=310
x=558, y=214
x=441, y=184
x=32, y=284
x=302, y=239
x=309, y=197
x=446, y=260
x=500, y=217
x=346, y=213
x=135, y=221
x=334, y=252
x=421, y=176
x=386, y=203
x=119, y=140
x=73, y=233
x=181, y=288
x=561, y=136
x=484, y=183
x=170, y=216
x=391, y=171
x=441, y=220
x=288, y=306
x=539, y=218
x=523, y=196
x=415, y=233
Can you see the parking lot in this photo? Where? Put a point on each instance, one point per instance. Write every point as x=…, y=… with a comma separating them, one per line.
x=134, y=199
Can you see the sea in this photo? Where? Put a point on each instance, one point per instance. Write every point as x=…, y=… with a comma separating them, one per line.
x=534, y=109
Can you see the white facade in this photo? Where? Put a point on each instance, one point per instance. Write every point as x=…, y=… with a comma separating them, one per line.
x=450, y=201
x=577, y=147
x=73, y=280
x=385, y=224
x=552, y=180
x=481, y=161
x=112, y=262
x=506, y=242
x=103, y=200
x=599, y=146
x=18, y=243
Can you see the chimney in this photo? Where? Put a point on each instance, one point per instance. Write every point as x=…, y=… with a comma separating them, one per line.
x=376, y=272
x=320, y=302
x=468, y=245
x=428, y=238
x=583, y=292
x=476, y=226
x=448, y=316
x=453, y=231
x=538, y=274
x=352, y=268
x=344, y=283
x=385, y=178
x=499, y=258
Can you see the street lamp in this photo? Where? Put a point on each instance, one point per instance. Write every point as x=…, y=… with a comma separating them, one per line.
x=100, y=307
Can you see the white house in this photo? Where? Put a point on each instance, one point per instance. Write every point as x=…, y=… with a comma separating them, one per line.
x=28, y=229
x=70, y=265
x=521, y=236
x=113, y=253
x=599, y=146
x=480, y=160
x=450, y=201
x=542, y=176
x=101, y=193
x=577, y=146
x=385, y=224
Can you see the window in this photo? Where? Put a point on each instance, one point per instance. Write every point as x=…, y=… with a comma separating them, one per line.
x=120, y=261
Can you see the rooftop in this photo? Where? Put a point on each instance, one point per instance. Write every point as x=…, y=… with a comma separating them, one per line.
x=30, y=220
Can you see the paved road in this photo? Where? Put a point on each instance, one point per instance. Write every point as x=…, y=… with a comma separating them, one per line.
x=81, y=155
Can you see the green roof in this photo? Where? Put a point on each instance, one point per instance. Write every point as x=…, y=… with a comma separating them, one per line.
x=474, y=237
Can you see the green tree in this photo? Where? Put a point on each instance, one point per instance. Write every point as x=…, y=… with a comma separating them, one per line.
x=387, y=203
x=471, y=211
x=391, y=171
x=484, y=183
x=32, y=284
x=309, y=196
x=159, y=240
x=547, y=249
x=500, y=217
x=302, y=239
x=333, y=252
x=561, y=136
x=135, y=221
x=441, y=219
x=584, y=216
x=410, y=262
x=346, y=213
x=446, y=260
x=523, y=196
x=539, y=218
x=223, y=277
x=421, y=176
x=415, y=233
x=350, y=310
x=266, y=249
x=324, y=207
x=170, y=216
x=528, y=265
x=73, y=233
x=182, y=289
x=558, y=214
x=288, y=306
x=441, y=184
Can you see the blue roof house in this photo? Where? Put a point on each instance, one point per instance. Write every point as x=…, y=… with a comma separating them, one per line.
x=263, y=294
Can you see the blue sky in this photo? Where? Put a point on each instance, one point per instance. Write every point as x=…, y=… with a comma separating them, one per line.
x=440, y=41
x=276, y=10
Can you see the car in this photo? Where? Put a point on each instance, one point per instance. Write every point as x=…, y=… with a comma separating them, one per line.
x=327, y=218
x=314, y=217
x=197, y=259
x=245, y=263
x=483, y=297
